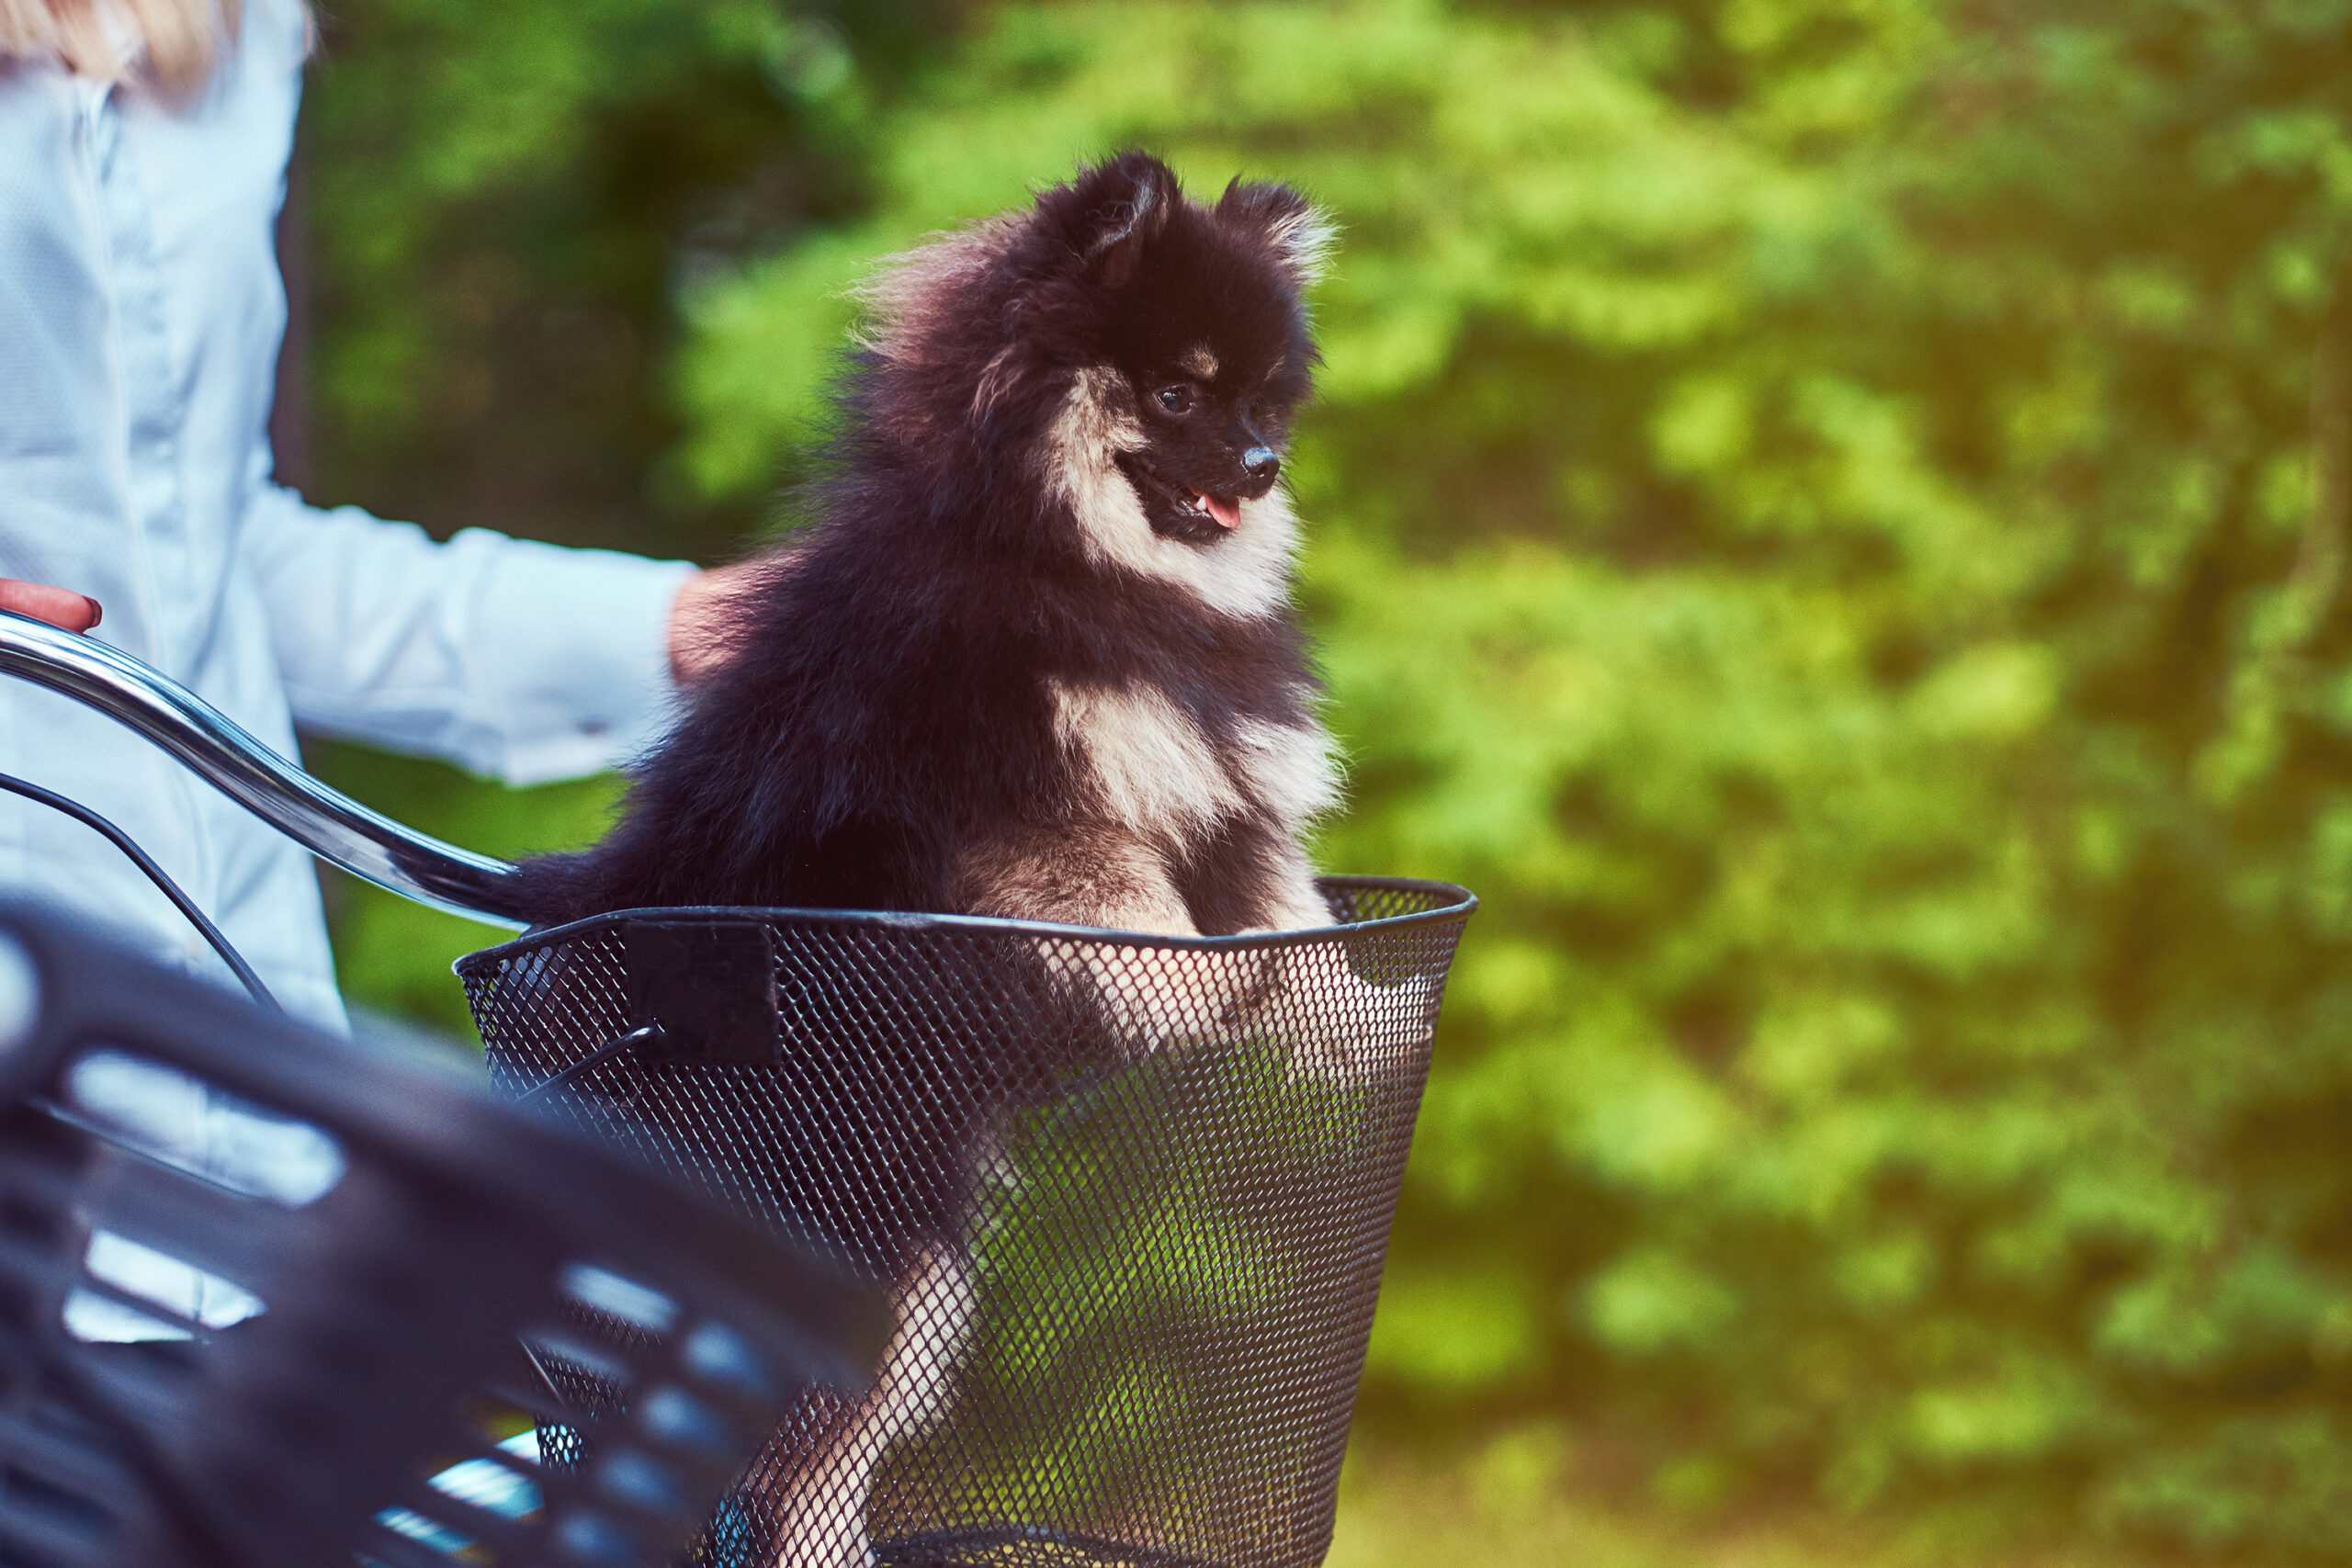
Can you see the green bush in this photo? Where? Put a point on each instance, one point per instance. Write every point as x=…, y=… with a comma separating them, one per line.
x=1829, y=514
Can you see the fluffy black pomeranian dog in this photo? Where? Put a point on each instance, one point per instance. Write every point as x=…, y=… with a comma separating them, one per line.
x=1035, y=657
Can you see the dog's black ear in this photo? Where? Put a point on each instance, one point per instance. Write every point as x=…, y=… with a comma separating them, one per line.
x=1115, y=209
x=1298, y=232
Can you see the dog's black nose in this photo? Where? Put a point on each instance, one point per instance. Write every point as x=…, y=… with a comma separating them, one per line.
x=1261, y=464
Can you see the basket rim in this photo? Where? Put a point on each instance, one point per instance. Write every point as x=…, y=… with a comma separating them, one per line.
x=1462, y=905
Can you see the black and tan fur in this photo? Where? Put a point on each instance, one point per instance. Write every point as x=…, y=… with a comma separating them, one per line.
x=1001, y=674
x=1036, y=657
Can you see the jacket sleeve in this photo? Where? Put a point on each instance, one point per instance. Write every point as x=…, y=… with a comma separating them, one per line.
x=520, y=661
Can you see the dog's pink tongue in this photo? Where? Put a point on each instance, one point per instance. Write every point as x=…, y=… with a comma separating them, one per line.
x=1226, y=513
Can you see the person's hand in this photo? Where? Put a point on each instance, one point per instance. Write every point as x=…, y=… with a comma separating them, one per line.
x=701, y=619
x=58, y=606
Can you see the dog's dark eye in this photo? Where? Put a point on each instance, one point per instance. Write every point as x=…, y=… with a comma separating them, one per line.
x=1176, y=400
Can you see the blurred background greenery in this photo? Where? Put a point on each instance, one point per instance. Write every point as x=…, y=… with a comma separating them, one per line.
x=1828, y=513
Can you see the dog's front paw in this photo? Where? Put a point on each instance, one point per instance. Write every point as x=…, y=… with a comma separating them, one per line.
x=1347, y=1032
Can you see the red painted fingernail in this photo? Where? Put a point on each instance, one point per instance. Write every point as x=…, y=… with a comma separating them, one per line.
x=98, y=612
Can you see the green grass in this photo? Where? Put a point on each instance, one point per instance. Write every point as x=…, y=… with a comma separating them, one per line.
x=1521, y=1502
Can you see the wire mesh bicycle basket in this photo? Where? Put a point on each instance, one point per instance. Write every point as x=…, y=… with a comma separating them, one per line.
x=348, y=1282
x=1131, y=1195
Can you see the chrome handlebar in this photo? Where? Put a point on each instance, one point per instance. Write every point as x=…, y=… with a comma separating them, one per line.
x=331, y=825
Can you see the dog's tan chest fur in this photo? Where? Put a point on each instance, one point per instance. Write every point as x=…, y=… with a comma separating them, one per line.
x=1293, y=770
x=1147, y=766
x=1152, y=770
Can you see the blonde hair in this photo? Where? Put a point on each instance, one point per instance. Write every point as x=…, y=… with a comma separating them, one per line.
x=172, y=42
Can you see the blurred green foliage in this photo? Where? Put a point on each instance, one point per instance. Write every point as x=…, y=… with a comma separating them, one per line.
x=1828, y=513
x=502, y=203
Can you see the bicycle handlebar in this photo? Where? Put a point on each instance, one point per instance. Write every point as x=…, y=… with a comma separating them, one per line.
x=331, y=825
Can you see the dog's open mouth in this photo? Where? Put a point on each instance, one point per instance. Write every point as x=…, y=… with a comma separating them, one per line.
x=1177, y=511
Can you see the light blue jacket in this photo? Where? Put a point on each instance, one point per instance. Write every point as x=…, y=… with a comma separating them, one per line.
x=140, y=311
